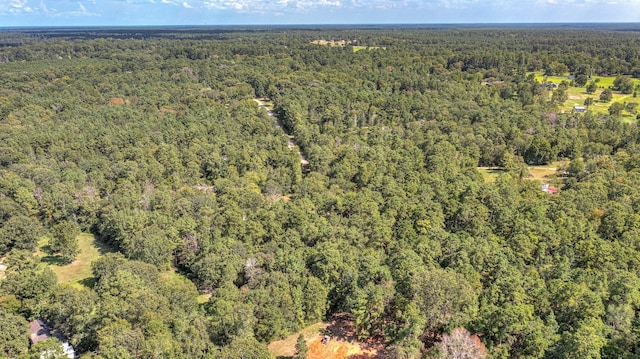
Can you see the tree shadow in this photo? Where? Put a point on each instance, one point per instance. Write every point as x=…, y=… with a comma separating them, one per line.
x=88, y=282
x=101, y=243
x=103, y=247
x=53, y=259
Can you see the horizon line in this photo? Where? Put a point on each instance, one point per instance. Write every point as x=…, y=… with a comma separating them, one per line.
x=324, y=24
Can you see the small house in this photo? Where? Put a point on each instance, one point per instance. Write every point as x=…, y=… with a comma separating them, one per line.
x=579, y=109
x=39, y=331
x=548, y=189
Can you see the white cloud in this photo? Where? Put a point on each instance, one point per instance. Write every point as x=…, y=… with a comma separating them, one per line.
x=15, y=7
x=318, y=11
x=79, y=11
x=45, y=9
x=261, y=6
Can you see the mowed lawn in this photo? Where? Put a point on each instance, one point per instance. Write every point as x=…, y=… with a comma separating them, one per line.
x=577, y=95
x=77, y=273
x=490, y=174
x=360, y=48
x=602, y=81
x=543, y=173
x=546, y=173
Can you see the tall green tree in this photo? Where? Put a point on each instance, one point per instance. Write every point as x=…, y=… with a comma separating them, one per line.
x=64, y=240
x=28, y=280
x=19, y=232
x=606, y=95
x=247, y=348
x=14, y=338
x=624, y=84
x=301, y=347
x=445, y=299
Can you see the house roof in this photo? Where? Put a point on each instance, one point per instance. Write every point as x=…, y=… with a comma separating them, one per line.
x=38, y=331
x=548, y=189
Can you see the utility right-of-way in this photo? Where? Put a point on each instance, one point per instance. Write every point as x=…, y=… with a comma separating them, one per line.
x=292, y=140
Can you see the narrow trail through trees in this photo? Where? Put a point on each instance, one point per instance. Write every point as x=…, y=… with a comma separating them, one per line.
x=292, y=140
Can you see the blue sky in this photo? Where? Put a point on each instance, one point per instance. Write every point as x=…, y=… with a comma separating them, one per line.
x=226, y=12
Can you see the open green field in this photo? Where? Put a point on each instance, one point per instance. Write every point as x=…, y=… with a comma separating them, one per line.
x=360, y=48
x=332, y=43
x=602, y=81
x=78, y=272
x=490, y=174
x=577, y=95
x=344, y=43
x=544, y=173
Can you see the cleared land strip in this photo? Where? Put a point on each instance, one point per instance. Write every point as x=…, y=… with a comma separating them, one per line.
x=292, y=140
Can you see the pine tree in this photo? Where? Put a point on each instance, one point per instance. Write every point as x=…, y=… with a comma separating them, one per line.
x=301, y=348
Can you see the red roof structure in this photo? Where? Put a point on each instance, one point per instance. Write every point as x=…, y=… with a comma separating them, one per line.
x=549, y=189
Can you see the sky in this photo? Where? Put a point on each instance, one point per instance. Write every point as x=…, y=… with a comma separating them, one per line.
x=247, y=12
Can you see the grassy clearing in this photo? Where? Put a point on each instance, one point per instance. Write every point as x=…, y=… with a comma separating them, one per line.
x=490, y=174
x=332, y=43
x=78, y=272
x=577, y=96
x=360, y=48
x=544, y=173
x=602, y=81
x=344, y=43
x=540, y=77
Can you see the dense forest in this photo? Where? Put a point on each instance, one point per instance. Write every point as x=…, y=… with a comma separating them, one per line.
x=216, y=240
